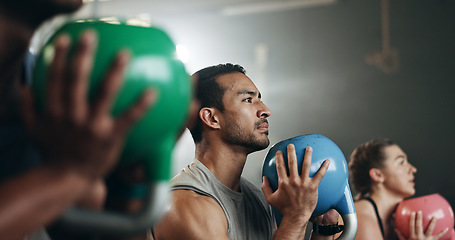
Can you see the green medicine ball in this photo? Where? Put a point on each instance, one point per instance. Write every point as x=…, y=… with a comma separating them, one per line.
x=153, y=64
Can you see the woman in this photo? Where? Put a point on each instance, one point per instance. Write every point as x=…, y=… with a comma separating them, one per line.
x=382, y=176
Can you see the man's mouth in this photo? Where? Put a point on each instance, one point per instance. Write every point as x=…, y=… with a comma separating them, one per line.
x=263, y=125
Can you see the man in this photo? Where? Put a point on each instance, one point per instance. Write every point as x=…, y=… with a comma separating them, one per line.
x=210, y=199
x=74, y=144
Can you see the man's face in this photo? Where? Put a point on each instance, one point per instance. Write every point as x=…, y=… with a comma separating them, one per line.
x=244, y=119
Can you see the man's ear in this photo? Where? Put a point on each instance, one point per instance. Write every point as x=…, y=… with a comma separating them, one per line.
x=376, y=175
x=209, y=117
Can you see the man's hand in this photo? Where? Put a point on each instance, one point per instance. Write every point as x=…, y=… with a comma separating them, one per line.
x=70, y=132
x=329, y=218
x=297, y=195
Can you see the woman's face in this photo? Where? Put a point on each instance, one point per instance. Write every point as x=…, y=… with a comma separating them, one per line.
x=398, y=172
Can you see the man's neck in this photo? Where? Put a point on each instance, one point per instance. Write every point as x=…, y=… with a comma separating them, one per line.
x=224, y=161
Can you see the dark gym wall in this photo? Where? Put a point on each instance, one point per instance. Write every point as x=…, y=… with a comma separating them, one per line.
x=316, y=79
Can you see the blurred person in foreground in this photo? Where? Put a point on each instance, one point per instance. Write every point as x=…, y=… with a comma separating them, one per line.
x=56, y=158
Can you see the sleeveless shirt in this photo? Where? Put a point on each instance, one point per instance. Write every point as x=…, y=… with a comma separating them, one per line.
x=381, y=226
x=248, y=214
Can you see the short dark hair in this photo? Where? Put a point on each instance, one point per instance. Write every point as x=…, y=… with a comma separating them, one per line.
x=209, y=92
x=365, y=157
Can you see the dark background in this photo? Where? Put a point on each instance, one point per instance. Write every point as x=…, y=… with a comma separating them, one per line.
x=315, y=77
x=317, y=80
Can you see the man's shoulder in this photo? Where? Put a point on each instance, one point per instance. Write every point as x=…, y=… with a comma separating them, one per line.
x=193, y=178
x=192, y=214
x=183, y=198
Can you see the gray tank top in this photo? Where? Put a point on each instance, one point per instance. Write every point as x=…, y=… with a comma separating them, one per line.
x=248, y=214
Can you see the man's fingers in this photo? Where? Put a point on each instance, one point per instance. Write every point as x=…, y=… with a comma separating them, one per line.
x=306, y=165
x=128, y=118
x=280, y=167
x=110, y=85
x=321, y=172
x=266, y=187
x=76, y=87
x=292, y=161
x=56, y=76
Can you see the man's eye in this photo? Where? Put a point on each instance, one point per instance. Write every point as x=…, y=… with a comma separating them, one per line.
x=248, y=100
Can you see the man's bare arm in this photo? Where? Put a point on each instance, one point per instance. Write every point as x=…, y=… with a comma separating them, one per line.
x=192, y=216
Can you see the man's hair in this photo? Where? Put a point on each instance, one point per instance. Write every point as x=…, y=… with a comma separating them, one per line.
x=365, y=157
x=209, y=92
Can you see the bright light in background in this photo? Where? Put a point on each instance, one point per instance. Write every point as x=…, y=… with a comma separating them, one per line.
x=182, y=53
x=273, y=6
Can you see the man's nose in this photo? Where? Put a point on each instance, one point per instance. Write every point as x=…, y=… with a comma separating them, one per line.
x=264, y=111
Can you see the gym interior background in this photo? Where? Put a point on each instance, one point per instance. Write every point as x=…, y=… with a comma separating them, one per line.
x=351, y=70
